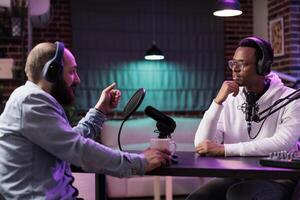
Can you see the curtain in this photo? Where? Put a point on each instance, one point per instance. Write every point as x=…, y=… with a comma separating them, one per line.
x=111, y=37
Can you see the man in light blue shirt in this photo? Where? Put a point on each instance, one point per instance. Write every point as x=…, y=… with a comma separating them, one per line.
x=37, y=143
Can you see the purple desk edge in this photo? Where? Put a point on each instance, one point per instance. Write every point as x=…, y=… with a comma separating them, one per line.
x=191, y=164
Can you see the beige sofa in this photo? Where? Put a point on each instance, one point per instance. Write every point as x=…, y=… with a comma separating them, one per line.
x=135, y=135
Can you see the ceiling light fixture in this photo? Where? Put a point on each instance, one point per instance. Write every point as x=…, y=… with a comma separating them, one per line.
x=154, y=53
x=228, y=8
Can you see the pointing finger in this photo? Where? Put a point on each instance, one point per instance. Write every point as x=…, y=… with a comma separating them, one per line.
x=110, y=87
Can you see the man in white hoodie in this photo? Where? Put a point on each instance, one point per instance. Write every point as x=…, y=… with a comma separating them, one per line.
x=227, y=128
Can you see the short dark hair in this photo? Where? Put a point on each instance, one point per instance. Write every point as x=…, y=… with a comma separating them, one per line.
x=263, y=53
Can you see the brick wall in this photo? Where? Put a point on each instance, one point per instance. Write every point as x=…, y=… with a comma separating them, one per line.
x=59, y=28
x=236, y=28
x=15, y=46
x=289, y=11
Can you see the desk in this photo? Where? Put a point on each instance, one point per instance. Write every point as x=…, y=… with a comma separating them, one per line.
x=192, y=164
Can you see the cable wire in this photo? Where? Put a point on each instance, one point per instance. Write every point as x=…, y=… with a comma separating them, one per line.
x=119, y=135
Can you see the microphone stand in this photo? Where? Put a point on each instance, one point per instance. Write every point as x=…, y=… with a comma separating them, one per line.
x=291, y=97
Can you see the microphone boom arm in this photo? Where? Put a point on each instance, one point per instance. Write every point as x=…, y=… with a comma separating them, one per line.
x=257, y=118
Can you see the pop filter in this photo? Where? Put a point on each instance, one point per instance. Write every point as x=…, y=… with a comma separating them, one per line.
x=134, y=103
x=131, y=106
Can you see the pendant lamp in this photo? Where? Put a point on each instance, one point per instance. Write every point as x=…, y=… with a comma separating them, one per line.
x=228, y=8
x=154, y=53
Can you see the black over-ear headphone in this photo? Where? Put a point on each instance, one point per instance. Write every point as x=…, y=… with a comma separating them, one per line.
x=53, y=68
x=263, y=65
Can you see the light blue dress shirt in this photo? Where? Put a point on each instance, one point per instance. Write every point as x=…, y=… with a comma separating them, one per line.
x=37, y=145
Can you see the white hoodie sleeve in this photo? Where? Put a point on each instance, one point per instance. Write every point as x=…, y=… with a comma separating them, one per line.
x=210, y=126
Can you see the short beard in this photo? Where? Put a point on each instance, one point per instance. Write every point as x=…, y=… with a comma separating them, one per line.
x=62, y=93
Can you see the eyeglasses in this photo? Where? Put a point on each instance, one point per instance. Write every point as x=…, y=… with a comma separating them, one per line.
x=237, y=64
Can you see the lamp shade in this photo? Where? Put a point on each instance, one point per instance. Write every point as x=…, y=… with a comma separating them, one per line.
x=154, y=53
x=228, y=8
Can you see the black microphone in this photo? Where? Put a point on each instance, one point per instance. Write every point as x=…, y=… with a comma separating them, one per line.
x=165, y=125
x=250, y=108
